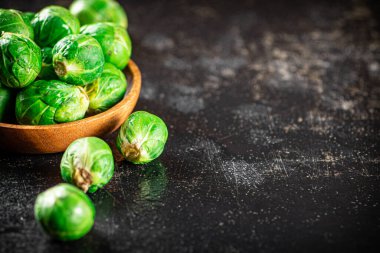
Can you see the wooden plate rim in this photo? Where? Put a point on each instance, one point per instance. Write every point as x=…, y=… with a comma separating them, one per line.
x=132, y=95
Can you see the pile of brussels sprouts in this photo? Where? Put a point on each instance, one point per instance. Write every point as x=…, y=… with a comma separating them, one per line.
x=59, y=65
x=62, y=72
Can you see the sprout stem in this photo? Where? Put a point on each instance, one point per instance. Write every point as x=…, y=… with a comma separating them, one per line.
x=130, y=151
x=60, y=69
x=82, y=179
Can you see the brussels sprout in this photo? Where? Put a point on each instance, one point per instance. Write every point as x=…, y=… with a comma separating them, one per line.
x=78, y=59
x=20, y=60
x=5, y=103
x=12, y=21
x=47, y=70
x=88, y=164
x=95, y=11
x=114, y=40
x=107, y=90
x=64, y=212
x=53, y=23
x=50, y=102
x=29, y=17
x=142, y=137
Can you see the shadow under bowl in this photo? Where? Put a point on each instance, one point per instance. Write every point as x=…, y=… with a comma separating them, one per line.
x=56, y=138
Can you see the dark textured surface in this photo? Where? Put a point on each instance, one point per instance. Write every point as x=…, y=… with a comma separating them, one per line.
x=273, y=111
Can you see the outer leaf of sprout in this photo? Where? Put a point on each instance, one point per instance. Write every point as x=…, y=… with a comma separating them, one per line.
x=107, y=90
x=50, y=102
x=64, y=212
x=47, y=70
x=78, y=59
x=114, y=40
x=142, y=137
x=6, y=103
x=88, y=163
x=95, y=11
x=14, y=21
x=20, y=60
x=28, y=16
x=53, y=23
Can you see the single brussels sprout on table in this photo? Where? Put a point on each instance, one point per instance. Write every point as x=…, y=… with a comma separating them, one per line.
x=20, y=60
x=47, y=70
x=53, y=23
x=95, y=11
x=107, y=90
x=50, y=102
x=114, y=40
x=142, y=137
x=6, y=103
x=64, y=212
x=88, y=163
x=14, y=22
x=78, y=59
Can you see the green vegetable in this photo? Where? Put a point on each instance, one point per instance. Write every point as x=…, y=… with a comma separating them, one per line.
x=50, y=102
x=88, y=164
x=114, y=40
x=53, y=23
x=78, y=59
x=20, y=60
x=107, y=90
x=142, y=137
x=47, y=70
x=28, y=16
x=94, y=11
x=13, y=21
x=64, y=212
x=6, y=105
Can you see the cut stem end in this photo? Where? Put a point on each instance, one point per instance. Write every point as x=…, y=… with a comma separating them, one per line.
x=82, y=179
x=60, y=69
x=131, y=152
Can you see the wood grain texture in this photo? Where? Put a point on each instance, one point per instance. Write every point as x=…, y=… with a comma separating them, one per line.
x=56, y=138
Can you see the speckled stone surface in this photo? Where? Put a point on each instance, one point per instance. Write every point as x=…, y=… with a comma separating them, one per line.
x=273, y=110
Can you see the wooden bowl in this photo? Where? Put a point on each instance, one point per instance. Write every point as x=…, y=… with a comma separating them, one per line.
x=56, y=138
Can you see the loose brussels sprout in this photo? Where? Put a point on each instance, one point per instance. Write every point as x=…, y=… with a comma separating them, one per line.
x=107, y=90
x=47, y=70
x=95, y=11
x=50, y=102
x=53, y=23
x=78, y=59
x=20, y=60
x=88, y=164
x=64, y=212
x=5, y=102
x=12, y=21
x=142, y=137
x=114, y=40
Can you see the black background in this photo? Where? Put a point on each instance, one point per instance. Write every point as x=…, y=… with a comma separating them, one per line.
x=273, y=112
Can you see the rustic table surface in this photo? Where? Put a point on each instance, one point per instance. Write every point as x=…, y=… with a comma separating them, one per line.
x=273, y=110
